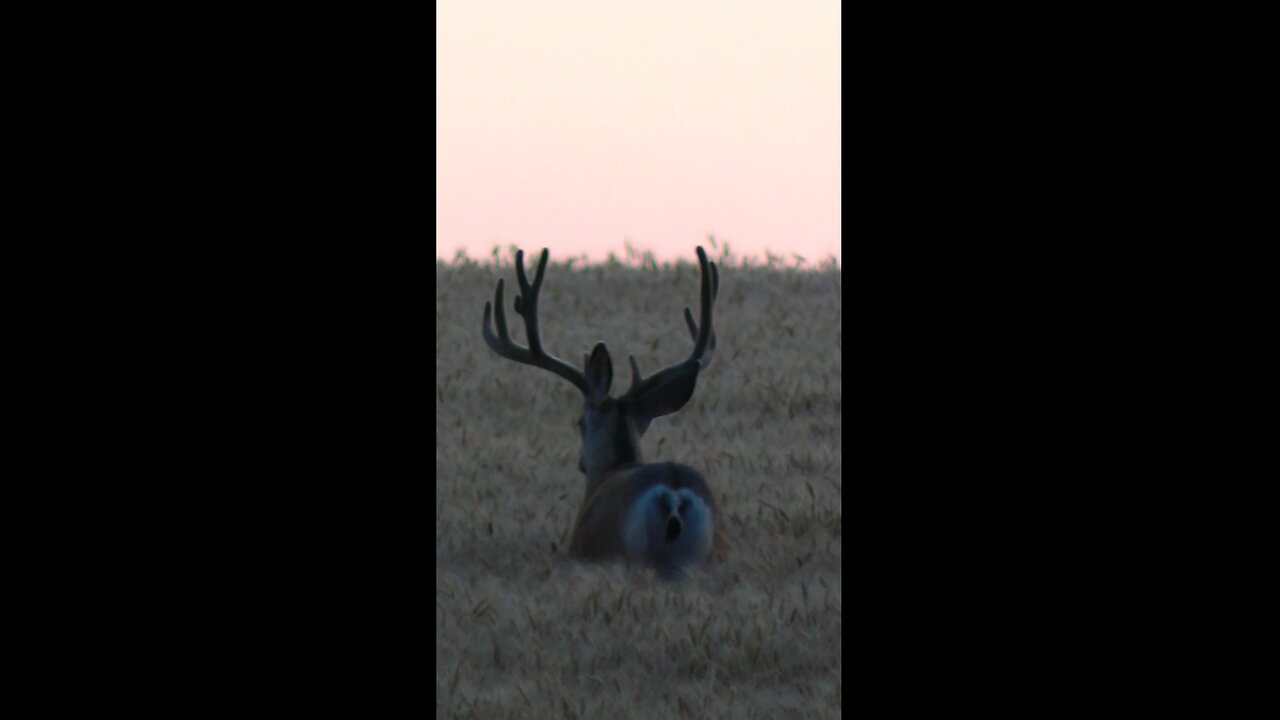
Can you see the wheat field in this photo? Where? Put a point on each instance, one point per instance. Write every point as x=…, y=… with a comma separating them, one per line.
x=522, y=631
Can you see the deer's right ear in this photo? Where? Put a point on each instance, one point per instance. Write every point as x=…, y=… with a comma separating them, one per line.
x=599, y=373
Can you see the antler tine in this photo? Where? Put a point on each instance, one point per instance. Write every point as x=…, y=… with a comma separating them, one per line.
x=526, y=304
x=529, y=308
x=704, y=341
x=636, y=378
x=688, y=316
x=693, y=333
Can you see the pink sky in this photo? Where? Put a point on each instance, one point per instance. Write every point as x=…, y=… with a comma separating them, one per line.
x=579, y=124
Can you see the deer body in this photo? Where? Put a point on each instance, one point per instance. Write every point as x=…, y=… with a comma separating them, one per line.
x=660, y=515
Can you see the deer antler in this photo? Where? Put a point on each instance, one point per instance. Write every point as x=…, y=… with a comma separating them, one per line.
x=704, y=342
x=527, y=306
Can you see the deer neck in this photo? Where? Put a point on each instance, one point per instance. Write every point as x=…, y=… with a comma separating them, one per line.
x=625, y=454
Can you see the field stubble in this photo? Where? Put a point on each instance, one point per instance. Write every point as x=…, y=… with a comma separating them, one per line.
x=522, y=631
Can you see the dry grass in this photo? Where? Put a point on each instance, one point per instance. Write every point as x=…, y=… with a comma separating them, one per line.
x=523, y=632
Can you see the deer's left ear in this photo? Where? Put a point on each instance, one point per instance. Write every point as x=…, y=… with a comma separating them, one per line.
x=599, y=372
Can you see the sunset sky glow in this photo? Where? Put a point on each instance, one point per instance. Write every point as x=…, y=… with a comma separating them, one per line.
x=580, y=124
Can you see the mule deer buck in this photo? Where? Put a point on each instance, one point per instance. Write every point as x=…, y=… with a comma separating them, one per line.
x=659, y=515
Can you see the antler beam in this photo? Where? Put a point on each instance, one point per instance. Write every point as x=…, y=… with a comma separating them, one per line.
x=526, y=304
x=703, y=334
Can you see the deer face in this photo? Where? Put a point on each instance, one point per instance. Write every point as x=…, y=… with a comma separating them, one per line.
x=610, y=437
